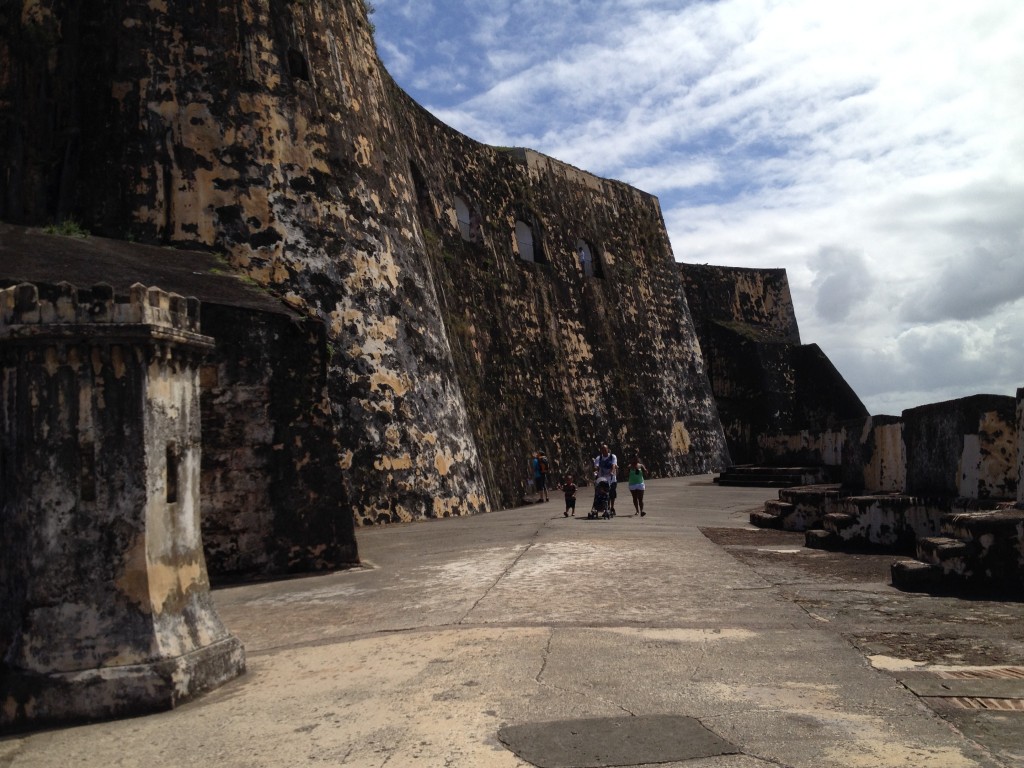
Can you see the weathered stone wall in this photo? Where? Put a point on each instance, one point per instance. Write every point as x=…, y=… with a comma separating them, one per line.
x=988, y=464
x=821, y=398
x=274, y=496
x=548, y=356
x=270, y=132
x=262, y=129
x=962, y=447
x=104, y=595
x=818, y=448
x=883, y=465
x=758, y=300
x=771, y=391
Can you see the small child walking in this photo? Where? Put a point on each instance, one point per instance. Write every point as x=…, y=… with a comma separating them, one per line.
x=569, y=489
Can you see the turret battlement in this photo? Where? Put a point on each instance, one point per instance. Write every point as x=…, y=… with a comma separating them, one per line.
x=30, y=304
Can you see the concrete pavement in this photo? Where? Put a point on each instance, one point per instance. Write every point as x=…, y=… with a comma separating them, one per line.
x=665, y=634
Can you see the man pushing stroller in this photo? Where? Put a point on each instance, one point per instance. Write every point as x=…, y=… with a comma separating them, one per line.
x=601, y=498
x=606, y=468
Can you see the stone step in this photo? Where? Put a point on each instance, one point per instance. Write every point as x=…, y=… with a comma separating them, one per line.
x=776, y=507
x=764, y=519
x=750, y=475
x=940, y=550
x=759, y=469
x=915, y=576
x=754, y=482
x=811, y=494
x=836, y=522
x=820, y=539
x=1002, y=524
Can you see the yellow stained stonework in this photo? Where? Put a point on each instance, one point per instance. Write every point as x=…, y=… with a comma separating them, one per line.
x=680, y=438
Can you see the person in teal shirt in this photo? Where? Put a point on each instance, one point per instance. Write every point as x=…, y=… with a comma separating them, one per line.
x=637, y=473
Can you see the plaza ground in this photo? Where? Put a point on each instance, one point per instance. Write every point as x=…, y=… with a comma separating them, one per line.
x=686, y=638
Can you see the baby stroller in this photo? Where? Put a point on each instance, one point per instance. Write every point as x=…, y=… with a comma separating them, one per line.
x=600, y=507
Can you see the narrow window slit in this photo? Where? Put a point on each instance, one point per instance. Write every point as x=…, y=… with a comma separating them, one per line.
x=172, y=473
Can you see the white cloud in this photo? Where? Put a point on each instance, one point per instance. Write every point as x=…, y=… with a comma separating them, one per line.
x=674, y=174
x=842, y=280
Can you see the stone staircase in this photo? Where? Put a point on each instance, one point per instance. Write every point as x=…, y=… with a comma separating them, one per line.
x=753, y=476
x=958, y=544
x=798, y=509
x=890, y=522
x=977, y=550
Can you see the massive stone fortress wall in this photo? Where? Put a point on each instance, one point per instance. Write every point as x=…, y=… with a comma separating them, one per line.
x=552, y=350
x=269, y=131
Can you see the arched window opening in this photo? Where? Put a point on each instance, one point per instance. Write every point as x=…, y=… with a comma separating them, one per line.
x=297, y=66
x=468, y=219
x=524, y=241
x=589, y=262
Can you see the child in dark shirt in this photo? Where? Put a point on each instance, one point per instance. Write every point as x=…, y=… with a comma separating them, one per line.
x=569, y=489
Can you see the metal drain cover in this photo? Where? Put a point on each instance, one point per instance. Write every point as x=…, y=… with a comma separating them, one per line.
x=992, y=705
x=613, y=741
x=993, y=688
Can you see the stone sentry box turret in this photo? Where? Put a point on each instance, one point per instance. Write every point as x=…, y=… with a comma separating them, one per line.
x=105, y=607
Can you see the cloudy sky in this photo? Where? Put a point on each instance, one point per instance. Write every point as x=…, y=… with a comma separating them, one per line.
x=875, y=150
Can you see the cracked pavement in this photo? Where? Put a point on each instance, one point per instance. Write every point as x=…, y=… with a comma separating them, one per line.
x=457, y=628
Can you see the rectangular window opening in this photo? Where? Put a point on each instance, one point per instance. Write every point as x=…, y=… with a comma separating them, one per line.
x=172, y=473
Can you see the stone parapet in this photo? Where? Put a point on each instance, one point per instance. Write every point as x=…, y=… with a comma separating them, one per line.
x=28, y=310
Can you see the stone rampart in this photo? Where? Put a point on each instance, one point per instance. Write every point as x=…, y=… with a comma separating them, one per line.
x=965, y=447
x=553, y=351
x=270, y=132
x=780, y=402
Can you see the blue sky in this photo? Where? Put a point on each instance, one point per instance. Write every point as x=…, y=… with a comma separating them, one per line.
x=875, y=150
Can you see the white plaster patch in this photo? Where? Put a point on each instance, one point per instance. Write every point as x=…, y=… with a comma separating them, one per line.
x=892, y=664
x=569, y=557
x=880, y=752
x=323, y=595
x=486, y=565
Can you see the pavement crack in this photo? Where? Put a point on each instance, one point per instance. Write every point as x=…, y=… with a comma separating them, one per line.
x=700, y=659
x=544, y=659
x=498, y=580
x=768, y=760
x=539, y=679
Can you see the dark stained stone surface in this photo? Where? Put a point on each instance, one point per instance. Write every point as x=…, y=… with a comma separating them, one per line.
x=613, y=741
